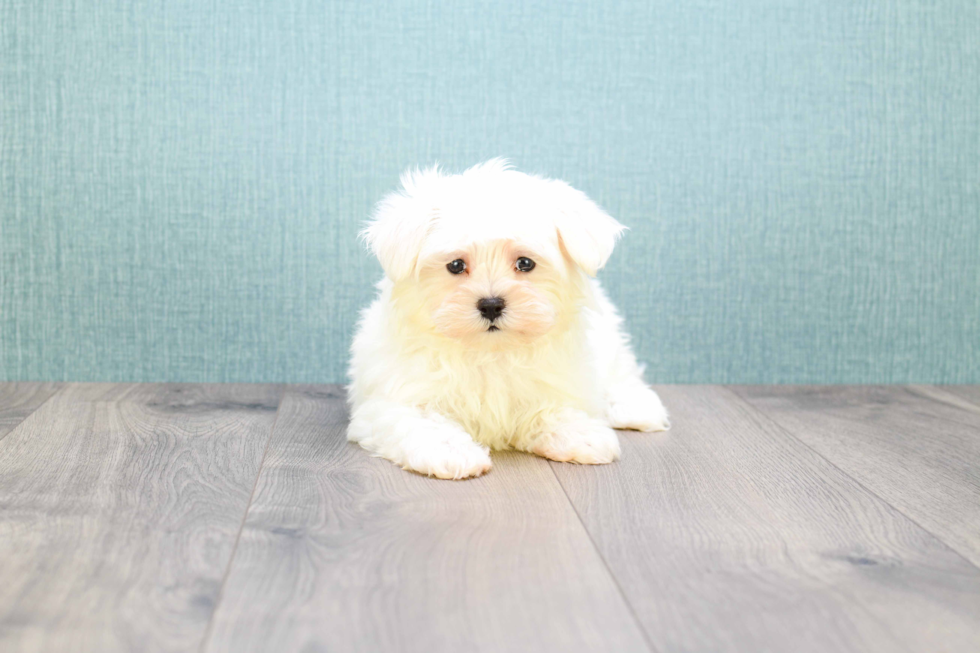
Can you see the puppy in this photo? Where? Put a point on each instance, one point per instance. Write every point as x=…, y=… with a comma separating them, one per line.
x=488, y=331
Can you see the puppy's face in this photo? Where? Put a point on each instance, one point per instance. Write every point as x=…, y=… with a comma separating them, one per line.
x=492, y=258
x=494, y=294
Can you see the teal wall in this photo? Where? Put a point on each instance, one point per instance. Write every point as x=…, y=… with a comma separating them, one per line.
x=181, y=181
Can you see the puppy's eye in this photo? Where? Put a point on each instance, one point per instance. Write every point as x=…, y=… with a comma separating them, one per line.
x=524, y=264
x=456, y=267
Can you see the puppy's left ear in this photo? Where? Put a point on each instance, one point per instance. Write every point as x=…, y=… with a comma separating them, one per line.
x=586, y=232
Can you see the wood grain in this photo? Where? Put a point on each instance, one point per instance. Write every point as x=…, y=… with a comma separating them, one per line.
x=344, y=552
x=726, y=534
x=118, y=517
x=916, y=447
x=20, y=399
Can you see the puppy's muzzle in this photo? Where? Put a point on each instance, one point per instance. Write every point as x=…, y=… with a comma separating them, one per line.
x=491, y=307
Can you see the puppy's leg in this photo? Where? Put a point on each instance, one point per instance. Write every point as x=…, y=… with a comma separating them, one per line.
x=633, y=405
x=574, y=437
x=427, y=443
x=630, y=403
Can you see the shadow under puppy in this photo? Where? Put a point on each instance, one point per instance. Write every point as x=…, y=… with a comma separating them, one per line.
x=488, y=330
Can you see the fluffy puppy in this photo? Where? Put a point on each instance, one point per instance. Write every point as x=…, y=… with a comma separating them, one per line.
x=488, y=331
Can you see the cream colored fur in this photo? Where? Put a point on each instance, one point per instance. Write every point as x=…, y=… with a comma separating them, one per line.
x=433, y=389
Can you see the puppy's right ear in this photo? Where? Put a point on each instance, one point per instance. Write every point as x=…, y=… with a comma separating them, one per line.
x=401, y=222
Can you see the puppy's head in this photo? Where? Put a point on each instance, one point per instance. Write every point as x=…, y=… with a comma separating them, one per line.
x=491, y=257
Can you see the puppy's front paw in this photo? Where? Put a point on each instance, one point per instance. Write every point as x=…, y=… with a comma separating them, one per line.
x=579, y=439
x=444, y=454
x=637, y=407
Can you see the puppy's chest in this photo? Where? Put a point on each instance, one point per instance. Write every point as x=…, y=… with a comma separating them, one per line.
x=506, y=385
x=497, y=400
x=495, y=384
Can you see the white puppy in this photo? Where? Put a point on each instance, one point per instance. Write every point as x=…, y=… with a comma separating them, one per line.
x=488, y=331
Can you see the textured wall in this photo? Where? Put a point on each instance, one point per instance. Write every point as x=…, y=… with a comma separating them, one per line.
x=181, y=181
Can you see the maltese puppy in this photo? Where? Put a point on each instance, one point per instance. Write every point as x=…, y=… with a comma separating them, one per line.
x=488, y=331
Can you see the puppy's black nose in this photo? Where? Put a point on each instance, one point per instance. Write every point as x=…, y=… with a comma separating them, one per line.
x=491, y=307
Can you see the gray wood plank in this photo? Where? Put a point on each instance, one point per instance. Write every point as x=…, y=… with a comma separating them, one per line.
x=114, y=392
x=118, y=518
x=916, y=447
x=957, y=397
x=344, y=552
x=969, y=392
x=727, y=534
x=20, y=399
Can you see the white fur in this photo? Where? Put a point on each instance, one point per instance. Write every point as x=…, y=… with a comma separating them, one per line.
x=432, y=389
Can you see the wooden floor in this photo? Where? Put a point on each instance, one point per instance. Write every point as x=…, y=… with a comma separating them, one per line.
x=237, y=518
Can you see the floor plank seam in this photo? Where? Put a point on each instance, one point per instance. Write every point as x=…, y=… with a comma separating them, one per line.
x=205, y=641
x=942, y=390
x=37, y=408
x=885, y=501
x=605, y=564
